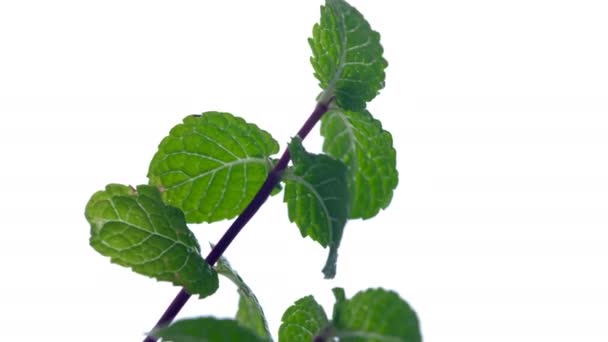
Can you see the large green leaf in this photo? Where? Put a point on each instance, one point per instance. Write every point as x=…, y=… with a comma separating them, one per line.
x=358, y=140
x=207, y=329
x=211, y=165
x=375, y=315
x=136, y=229
x=250, y=313
x=318, y=200
x=347, y=56
x=302, y=321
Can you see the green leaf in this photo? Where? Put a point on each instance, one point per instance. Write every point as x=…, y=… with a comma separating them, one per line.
x=211, y=165
x=358, y=140
x=318, y=200
x=347, y=56
x=302, y=321
x=137, y=230
x=206, y=329
x=375, y=315
x=250, y=313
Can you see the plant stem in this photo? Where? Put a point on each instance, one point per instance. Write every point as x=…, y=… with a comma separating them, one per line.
x=260, y=197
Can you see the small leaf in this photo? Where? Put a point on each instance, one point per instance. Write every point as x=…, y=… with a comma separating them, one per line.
x=137, y=230
x=211, y=165
x=375, y=315
x=358, y=140
x=347, y=56
x=206, y=329
x=250, y=313
x=302, y=321
x=317, y=197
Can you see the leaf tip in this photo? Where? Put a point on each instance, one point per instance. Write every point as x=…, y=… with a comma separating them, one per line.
x=329, y=270
x=339, y=294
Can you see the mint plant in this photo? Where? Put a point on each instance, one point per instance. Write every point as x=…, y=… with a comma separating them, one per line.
x=216, y=166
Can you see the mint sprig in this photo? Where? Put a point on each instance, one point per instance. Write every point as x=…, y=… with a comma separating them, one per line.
x=217, y=166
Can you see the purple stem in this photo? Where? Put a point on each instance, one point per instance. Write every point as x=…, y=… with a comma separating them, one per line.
x=271, y=181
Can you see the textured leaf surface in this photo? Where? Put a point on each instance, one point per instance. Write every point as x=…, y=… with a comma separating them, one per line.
x=347, y=56
x=250, y=313
x=375, y=315
x=302, y=321
x=358, y=140
x=317, y=197
x=211, y=165
x=207, y=329
x=137, y=230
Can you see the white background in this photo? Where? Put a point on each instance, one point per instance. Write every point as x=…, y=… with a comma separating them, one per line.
x=497, y=231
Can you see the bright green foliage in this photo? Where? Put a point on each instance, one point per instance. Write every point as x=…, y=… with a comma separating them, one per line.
x=347, y=56
x=375, y=315
x=358, y=140
x=302, y=321
x=211, y=165
x=250, y=313
x=207, y=329
x=137, y=230
x=318, y=200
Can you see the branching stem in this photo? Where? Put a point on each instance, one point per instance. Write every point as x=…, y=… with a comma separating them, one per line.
x=271, y=181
